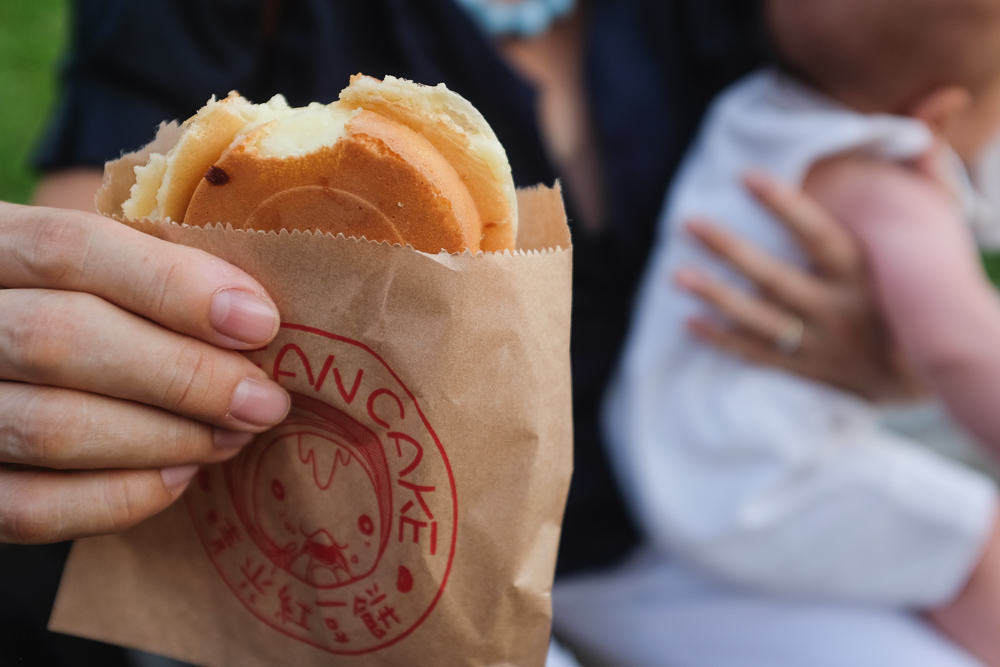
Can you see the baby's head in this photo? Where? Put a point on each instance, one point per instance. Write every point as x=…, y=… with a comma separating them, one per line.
x=937, y=60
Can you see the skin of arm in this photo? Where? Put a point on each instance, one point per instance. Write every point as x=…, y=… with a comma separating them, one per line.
x=929, y=280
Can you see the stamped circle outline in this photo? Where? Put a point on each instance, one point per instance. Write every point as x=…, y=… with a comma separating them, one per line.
x=308, y=428
x=454, y=501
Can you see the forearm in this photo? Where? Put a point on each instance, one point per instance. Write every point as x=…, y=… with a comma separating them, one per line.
x=944, y=311
x=953, y=336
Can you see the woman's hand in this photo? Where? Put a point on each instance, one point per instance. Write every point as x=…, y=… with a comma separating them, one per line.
x=824, y=324
x=117, y=371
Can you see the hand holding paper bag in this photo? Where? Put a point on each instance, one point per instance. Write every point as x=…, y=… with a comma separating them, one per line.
x=408, y=510
x=113, y=364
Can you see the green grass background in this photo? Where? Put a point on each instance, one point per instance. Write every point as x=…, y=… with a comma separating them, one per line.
x=991, y=261
x=33, y=36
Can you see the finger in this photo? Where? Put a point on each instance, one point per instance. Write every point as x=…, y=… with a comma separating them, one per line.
x=744, y=310
x=790, y=285
x=182, y=288
x=740, y=345
x=78, y=341
x=828, y=246
x=38, y=506
x=64, y=429
x=753, y=349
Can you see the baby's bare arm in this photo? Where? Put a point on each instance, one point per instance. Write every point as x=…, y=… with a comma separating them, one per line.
x=928, y=277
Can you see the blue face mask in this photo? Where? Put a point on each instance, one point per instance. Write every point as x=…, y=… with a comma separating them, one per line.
x=524, y=18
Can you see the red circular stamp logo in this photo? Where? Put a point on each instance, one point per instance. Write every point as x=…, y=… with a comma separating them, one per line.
x=337, y=527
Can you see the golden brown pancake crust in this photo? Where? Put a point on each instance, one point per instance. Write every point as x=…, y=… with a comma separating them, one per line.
x=493, y=207
x=381, y=177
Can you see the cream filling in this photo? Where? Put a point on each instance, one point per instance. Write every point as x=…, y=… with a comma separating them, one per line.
x=305, y=130
x=147, y=197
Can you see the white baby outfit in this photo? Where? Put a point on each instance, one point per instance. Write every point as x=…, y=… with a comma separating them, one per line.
x=784, y=525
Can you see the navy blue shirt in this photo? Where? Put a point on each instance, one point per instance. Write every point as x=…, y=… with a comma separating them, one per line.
x=652, y=67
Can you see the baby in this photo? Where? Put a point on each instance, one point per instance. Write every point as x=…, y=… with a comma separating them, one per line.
x=773, y=483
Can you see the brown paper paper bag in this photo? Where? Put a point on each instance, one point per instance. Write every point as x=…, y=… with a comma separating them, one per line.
x=408, y=510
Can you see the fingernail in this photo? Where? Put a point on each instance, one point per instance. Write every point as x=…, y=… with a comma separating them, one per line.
x=225, y=438
x=258, y=402
x=177, y=476
x=243, y=316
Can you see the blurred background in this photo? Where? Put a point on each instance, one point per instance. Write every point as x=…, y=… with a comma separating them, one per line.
x=33, y=35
